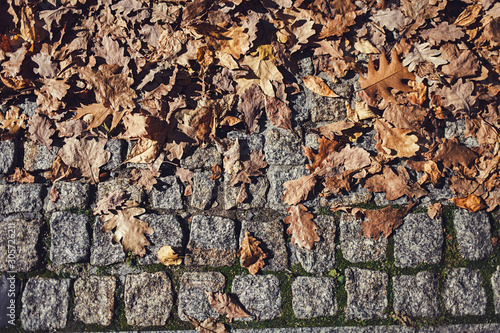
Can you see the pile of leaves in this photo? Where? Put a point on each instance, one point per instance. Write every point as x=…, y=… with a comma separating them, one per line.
x=169, y=75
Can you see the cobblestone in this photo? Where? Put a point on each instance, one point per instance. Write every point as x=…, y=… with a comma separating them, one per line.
x=122, y=184
x=473, y=234
x=21, y=198
x=70, y=194
x=95, y=299
x=69, y=238
x=193, y=300
x=356, y=247
x=313, y=297
x=257, y=194
x=464, y=294
x=116, y=148
x=203, y=190
x=7, y=155
x=167, y=194
x=416, y=296
x=283, y=147
x=495, y=284
x=103, y=252
x=366, y=293
x=202, y=158
x=38, y=157
x=27, y=234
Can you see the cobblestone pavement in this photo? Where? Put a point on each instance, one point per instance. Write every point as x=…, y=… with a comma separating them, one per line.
x=431, y=275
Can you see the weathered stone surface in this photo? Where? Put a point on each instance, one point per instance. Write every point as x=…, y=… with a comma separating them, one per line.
x=321, y=257
x=69, y=238
x=38, y=157
x=259, y=294
x=257, y=192
x=116, y=147
x=283, y=147
x=357, y=195
x=71, y=194
x=463, y=294
x=45, y=304
x=193, y=300
x=277, y=177
x=103, y=251
x=270, y=233
x=95, y=299
x=366, y=293
x=380, y=200
x=313, y=297
x=356, y=247
x=122, y=184
x=476, y=328
x=22, y=236
x=167, y=231
x=311, y=141
x=21, y=198
x=166, y=194
x=495, y=284
x=148, y=299
x=248, y=142
x=203, y=190
x=212, y=241
x=473, y=234
x=7, y=155
x=418, y=240
x=202, y=158
x=416, y=296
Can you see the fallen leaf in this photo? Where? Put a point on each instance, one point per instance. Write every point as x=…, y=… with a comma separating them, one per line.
x=109, y=202
x=459, y=95
x=232, y=163
x=443, y=32
x=394, y=185
x=144, y=151
x=225, y=305
x=302, y=228
x=251, y=105
x=468, y=16
x=210, y=325
x=20, y=175
x=167, y=256
x=422, y=52
x=216, y=172
x=451, y=153
x=435, y=209
x=472, y=203
x=99, y=114
x=297, y=190
x=278, y=113
x=383, y=221
x=252, y=256
x=40, y=130
x=318, y=86
x=326, y=146
x=144, y=178
x=251, y=168
x=11, y=123
x=392, y=19
x=397, y=142
x=467, y=64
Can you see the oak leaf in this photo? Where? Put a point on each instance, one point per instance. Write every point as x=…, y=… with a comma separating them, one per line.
x=383, y=221
x=467, y=64
x=11, y=123
x=251, y=105
x=387, y=76
x=443, y=32
x=390, y=18
x=111, y=201
x=40, y=130
x=394, y=185
x=144, y=151
x=232, y=163
x=297, y=190
x=472, y=203
x=209, y=325
x=422, y=52
x=225, y=305
x=99, y=114
x=216, y=172
x=167, y=256
x=264, y=68
x=129, y=230
x=451, y=153
x=251, y=168
x=252, y=256
x=435, y=209
x=20, y=175
x=394, y=139
x=144, y=178
x=318, y=86
x=278, y=113
x=326, y=146
x=302, y=228
x=459, y=96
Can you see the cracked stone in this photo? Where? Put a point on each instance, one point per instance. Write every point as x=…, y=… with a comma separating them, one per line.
x=193, y=300
x=167, y=231
x=356, y=247
x=202, y=158
x=313, y=297
x=95, y=299
x=38, y=157
x=26, y=238
x=149, y=299
x=473, y=234
x=166, y=194
x=7, y=155
x=203, y=190
x=71, y=194
x=212, y=241
x=283, y=147
x=416, y=296
x=69, y=238
x=103, y=251
x=45, y=304
x=463, y=294
x=366, y=293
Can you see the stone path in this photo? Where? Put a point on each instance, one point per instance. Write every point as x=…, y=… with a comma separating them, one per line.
x=431, y=275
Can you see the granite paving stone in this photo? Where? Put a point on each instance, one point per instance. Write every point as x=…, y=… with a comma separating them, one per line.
x=71, y=194
x=212, y=241
x=313, y=297
x=167, y=231
x=38, y=157
x=366, y=293
x=69, y=238
x=123, y=184
x=283, y=147
x=21, y=198
x=116, y=147
x=103, y=251
x=321, y=257
x=463, y=294
x=204, y=190
x=45, y=304
x=257, y=192
x=94, y=299
x=473, y=234
x=23, y=236
x=202, y=158
x=495, y=284
x=148, y=299
x=248, y=142
x=270, y=234
x=416, y=296
x=259, y=294
x=167, y=194
x=7, y=155
x=462, y=328
x=356, y=247
x=419, y=240
x=192, y=298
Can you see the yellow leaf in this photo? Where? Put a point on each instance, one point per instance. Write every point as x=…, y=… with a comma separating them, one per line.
x=167, y=256
x=318, y=86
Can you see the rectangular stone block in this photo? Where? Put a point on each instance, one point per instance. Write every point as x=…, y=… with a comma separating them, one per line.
x=21, y=236
x=69, y=238
x=193, y=300
x=313, y=297
x=95, y=299
x=21, y=198
x=366, y=293
x=7, y=155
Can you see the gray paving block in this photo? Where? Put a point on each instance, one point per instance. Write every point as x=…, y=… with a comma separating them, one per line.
x=7, y=155
x=103, y=251
x=21, y=198
x=366, y=293
x=45, y=304
x=71, y=194
x=356, y=247
x=116, y=147
x=166, y=194
x=416, y=296
x=357, y=195
x=69, y=238
x=419, y=240
x=202, y=158
x=21, y=236
x=473, y=234
x=167, y=231
x=148, y=299
x=259, y=294
x=193, y=300
x=248, y=142
x=463, y=294
x=321, y=257
x=212, y=241
x=313, y=297
x=204, y=190
x=38, y=157
x=270, y=233
x=122, y=184
x=94, y=299
x=283, y=147
x=257, y=194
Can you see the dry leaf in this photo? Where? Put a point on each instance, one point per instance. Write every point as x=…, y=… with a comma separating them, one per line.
x=20, y=175
x=251, y=106
x=318, y=86
x=394, y=186
x=451, y=153
x=302, y=228
x=99, y=114
x=54, y=194
x=398, y=140
x=435, y=209
x=109, y=202
x=252, y=256
x=144, y=178
x=278, y=113
x=167, y=256
x=472, y=203
x=12, y=123
x=383, y=221
x=420, y=53
x=225, y=305
x=326, y=146
x=216, y=172
x=40, y=130
x=297, y=190
x=210, y=325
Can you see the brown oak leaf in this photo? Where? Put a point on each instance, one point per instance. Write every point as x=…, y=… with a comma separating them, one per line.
x=20, y=175
x=443, y=32
x=472, y=203
x=451, y=153
x=278, y=113
x=383, y=221
x=251, y=168
x=326, y=146
x=252, y=256
x=297, y=190
x=40, y=130
x=302, y=228
x=435, y=209
x=393, y=141
x=318, y=86
x=225, y=305
x=209, y=325
x=167, y=256
x=216, y=172
x=251, y=106
x=394, y=186
x=110, y=201
x=144, y=178
x=11, y=123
